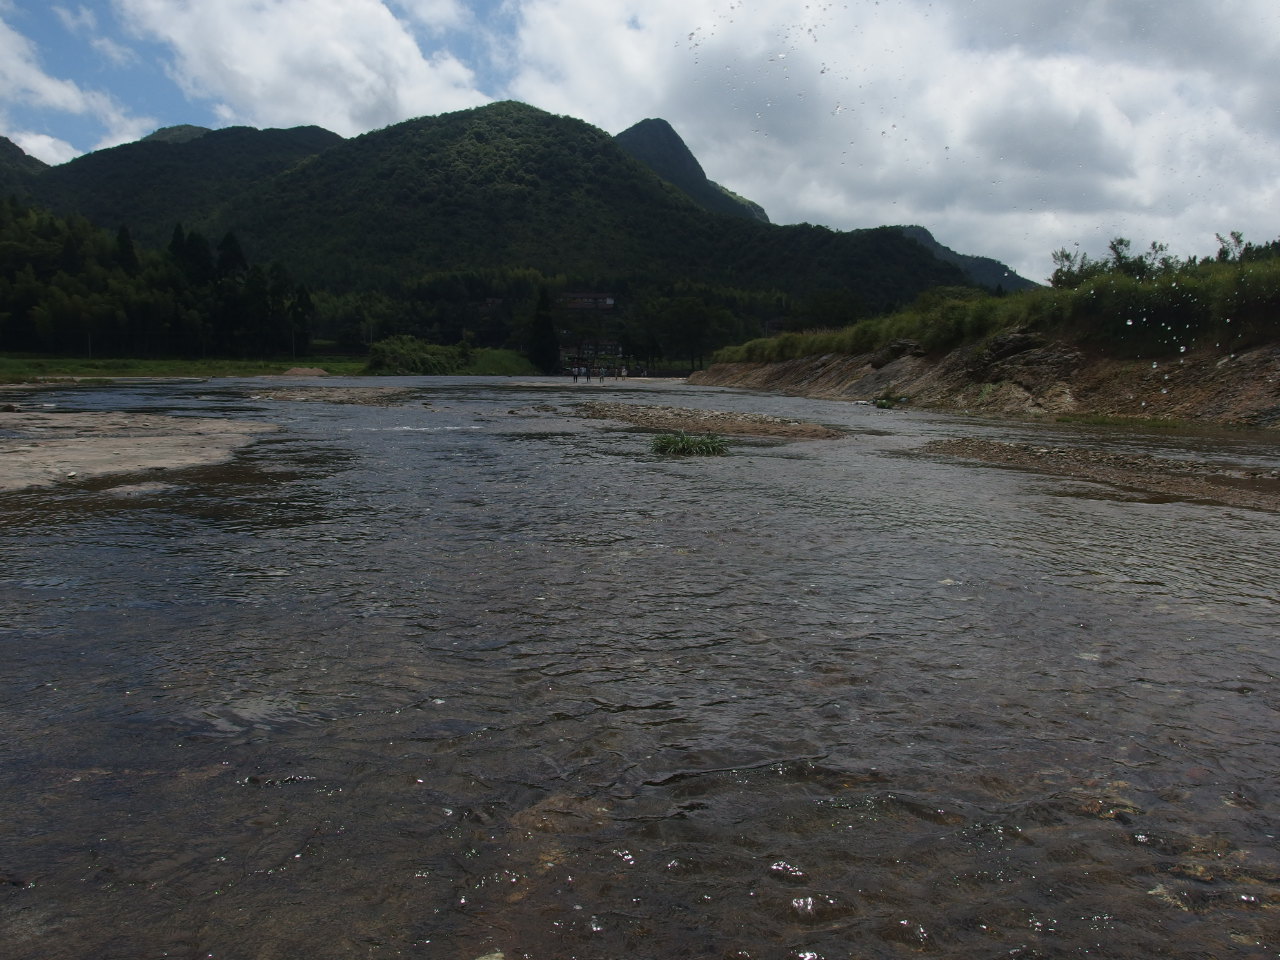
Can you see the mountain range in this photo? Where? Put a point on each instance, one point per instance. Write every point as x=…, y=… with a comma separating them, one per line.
x=505, y=185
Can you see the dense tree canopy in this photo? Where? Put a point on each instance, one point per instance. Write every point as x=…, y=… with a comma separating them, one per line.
x=69, y=287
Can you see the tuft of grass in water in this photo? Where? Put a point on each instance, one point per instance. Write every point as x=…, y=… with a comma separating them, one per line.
x=681, y=444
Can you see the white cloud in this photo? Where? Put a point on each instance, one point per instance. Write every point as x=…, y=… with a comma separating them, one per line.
x=25, y=84
x=116, y=53
x=436, y=15
x=1008, y=127
x=348, y=65
x=83, y=21
x=80, y=20
x=43, y=147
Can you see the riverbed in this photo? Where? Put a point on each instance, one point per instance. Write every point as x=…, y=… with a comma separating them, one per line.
x=469, y=675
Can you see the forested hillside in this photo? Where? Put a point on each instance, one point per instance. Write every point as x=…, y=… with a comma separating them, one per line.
x=68, y=287
x=177, y=175
x=17, y=170
x=446, y=228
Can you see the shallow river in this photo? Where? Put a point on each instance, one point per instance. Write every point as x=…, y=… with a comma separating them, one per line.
x=471, y=676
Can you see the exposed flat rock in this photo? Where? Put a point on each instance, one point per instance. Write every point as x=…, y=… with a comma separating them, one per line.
x=42, y=448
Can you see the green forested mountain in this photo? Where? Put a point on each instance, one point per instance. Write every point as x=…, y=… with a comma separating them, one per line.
x=983, y=271
x=156, y=182
x=508, y=186
x=181, y=133
x=656, y=144
x=505, y=186
x=17, y=170
x=449, y=227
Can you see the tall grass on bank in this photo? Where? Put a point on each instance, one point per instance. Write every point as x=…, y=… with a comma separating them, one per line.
x=1229, y=305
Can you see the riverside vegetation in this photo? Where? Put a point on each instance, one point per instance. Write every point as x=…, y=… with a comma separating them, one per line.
x=1130, y=338
x=1131, y=305
x=448, y=229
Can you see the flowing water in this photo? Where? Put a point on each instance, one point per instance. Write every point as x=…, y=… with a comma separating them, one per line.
x=470, y=676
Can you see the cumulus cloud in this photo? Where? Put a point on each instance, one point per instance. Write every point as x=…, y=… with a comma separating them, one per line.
x=348, y=65
x=44, y=147
x=84, y=22
x=1008, y=127
x=436, y=15
x=25, y=84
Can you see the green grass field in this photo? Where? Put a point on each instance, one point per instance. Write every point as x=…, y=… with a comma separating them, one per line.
x=27, y=368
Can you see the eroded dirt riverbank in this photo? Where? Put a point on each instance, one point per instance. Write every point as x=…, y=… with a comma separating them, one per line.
x=1023, y=376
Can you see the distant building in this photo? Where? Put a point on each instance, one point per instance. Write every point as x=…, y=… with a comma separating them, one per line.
x=587, y=301
x=583, y=337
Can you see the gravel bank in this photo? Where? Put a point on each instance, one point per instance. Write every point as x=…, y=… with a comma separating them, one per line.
x=1155, y=475
x=707, y=421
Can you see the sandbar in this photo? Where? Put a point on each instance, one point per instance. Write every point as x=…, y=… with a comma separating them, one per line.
x=40, y=448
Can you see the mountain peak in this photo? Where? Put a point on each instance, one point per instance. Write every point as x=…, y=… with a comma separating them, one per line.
x=12, y=155
x=180, y=133
x=984, y=271
x=655, y=143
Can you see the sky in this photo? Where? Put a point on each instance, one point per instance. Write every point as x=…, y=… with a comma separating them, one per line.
x=1008, y=128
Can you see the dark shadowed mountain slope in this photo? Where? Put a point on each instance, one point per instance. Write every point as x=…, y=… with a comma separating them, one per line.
x=182, y=133
x=982, y=271
x=153, y=183
x=510, y=186
x=500, y=187
x=656, y=144
x=17, y=168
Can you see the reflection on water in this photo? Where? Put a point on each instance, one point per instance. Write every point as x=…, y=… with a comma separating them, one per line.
x=480, y=677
